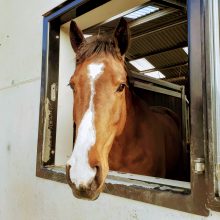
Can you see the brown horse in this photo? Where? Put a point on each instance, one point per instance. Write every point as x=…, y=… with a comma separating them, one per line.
x=114, y=128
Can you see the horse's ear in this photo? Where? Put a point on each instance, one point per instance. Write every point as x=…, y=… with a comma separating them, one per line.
x=76, y=36
x=122, y=35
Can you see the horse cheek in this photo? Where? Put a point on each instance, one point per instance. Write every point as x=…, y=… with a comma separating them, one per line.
x=120, y=114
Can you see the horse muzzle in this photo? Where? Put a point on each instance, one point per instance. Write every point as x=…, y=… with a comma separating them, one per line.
x=90, y=192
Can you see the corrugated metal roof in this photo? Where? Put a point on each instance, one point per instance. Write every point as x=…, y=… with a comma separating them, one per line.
x=169, y=58
x=162, y=46
x=159, y=22
x=160, y=41
x=176, y=73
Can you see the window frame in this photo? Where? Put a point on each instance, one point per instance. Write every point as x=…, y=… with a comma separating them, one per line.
x=197, y=201
x=213, y=167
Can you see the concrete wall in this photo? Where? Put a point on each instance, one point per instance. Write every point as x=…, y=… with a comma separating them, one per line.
x=23, y=196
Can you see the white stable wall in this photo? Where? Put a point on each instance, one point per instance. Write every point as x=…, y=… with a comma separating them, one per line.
x=23, y=196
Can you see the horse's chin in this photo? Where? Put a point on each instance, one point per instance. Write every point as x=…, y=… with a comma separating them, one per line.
x=87, y=194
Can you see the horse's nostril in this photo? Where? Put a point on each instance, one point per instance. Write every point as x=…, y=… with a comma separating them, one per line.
x=97, y=169
x=68, y=175
x=68, y=166
x=97, y=180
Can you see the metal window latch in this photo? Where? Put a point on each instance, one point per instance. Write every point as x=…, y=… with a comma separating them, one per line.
x=199, y=165
x=53, y=91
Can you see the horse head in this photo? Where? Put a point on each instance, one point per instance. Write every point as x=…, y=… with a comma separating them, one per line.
x=99, y=112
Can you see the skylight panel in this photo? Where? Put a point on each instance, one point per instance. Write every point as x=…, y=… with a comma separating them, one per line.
x=142, y=12
x=141, y=64
x=185, y=49
x=155, y=74
x=87, y=35
x=152, y=8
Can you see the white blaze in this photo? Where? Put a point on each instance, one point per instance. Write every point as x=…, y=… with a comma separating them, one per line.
x=80, y=171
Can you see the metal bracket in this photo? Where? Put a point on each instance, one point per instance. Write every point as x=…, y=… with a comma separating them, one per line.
x=53, y=91
x=199, y=165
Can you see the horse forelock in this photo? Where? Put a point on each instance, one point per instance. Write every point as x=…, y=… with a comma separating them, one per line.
x=98, y=45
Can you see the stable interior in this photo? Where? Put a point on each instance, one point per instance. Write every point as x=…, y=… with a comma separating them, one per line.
x=157, y=61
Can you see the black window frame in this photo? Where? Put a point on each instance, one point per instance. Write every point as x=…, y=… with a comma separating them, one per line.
x=202, y=194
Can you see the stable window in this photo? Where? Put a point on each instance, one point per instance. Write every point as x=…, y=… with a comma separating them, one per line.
x=165, y=67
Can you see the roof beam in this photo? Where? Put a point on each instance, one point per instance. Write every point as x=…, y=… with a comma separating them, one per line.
x=172, y=3
x=176, y=79
x=161, y=69
x=151, y=17
x=159, y=29
x=164, y=50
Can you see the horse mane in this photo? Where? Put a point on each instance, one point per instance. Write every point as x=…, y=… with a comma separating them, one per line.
x=97, y=45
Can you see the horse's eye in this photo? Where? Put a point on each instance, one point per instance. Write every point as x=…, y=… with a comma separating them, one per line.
x=121, y=87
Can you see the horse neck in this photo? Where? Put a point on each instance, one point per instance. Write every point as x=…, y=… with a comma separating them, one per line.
x=123, y=148
x=131, y=111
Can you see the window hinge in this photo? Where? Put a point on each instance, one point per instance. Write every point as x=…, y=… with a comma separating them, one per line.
x=53, y=92
x=199, y=165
